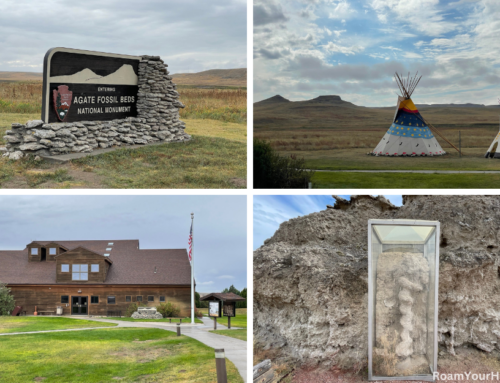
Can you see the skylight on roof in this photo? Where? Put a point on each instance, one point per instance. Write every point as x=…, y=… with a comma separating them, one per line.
x=109, y=249
x=106, y=255
x=110, y=243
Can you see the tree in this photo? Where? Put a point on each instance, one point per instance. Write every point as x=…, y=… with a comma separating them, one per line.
x=242, y=293
x=197, y=302
x=272, y=171
x=7, y=303
x=231, y=289
x=242, y=305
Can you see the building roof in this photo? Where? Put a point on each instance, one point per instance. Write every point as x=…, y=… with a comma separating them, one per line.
x=231, y=297
x=131, y=265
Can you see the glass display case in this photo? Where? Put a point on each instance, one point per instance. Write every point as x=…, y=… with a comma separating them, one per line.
x=403, y=272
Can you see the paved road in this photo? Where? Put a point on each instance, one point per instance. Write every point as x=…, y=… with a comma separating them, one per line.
x=235, y=349
x=414, y=171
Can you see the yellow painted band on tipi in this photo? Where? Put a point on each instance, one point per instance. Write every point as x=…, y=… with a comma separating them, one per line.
x=408, y=104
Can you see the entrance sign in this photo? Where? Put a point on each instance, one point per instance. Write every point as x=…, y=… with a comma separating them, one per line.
x=83, y=85
x=214, y=309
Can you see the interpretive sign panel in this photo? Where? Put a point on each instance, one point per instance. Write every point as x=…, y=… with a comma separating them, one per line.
x=214, y=309
x=88, y=86
x=229, y=309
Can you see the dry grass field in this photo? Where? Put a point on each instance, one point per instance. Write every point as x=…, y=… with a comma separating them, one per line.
x=331, y=134
x=228, y=105
x=213, y=77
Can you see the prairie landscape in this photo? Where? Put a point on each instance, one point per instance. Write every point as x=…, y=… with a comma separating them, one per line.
x=216, y=158
x=332, y=134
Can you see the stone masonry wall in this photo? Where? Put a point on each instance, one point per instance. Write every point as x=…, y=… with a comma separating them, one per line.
x=157, y=121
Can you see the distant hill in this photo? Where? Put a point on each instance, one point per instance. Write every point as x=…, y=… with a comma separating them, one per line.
x=220, y=77
x=273, y=100
x=212, y=77
x=468, y=105
x=21, y=76
x=331, y=112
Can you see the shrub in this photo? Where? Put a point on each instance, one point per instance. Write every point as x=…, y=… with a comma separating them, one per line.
x=7, y=303
x=168, y=310
x=198, y=313
x=132, y=308
x=271, y=171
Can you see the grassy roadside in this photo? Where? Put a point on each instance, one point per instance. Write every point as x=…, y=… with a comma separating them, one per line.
x=347, y=180
x=215, y=158
x=128, y=355
x=10, y=324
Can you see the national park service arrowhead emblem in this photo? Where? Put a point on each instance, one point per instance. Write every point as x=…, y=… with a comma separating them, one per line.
x=62, y=101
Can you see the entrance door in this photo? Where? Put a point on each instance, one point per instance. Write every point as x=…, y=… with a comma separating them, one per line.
x=79, y=306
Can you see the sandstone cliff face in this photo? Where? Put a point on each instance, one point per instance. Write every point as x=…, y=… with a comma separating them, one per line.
x=311, y=277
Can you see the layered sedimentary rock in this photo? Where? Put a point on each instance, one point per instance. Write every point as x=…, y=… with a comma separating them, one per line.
x=311, y=279
x=157, y=121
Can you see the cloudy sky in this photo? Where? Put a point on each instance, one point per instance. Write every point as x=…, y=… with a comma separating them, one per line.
x=190, y=35
x=351, y=48
x=158, y=222
x=271, y=210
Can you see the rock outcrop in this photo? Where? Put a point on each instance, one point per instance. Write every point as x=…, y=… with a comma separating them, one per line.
x=311, y=279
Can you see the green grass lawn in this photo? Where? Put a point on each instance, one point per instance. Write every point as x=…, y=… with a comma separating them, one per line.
x=240, y=320
x=185, y=320
x=24, y=324
x=357, y=159
x=126, y=355
x=346, y=180
x=238, y=334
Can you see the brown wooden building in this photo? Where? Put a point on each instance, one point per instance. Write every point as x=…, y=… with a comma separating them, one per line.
x=95, y=277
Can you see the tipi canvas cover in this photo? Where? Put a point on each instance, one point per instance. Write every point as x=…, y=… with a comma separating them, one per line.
x=408, y=135
x=494, y=150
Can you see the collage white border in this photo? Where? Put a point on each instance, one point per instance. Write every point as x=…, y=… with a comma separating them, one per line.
x=249, y=192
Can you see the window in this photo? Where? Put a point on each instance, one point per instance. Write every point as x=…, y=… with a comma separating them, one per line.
x=65, y=268
x=94, y=268
x=94, y=299
x=106, y=255
x=111, y=300
x=109, y=249
x=52, y=251
x=64, y=298
x=80, y=272
x=128, y=298
x=34, y=251
x=162, y=298
x=110, y=244
x=139, y=298
x=151, y=298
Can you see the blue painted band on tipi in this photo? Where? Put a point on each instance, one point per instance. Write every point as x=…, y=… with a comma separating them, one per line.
x=409, y=131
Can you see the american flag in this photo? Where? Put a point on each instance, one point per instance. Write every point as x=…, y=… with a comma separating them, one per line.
x=190, y=242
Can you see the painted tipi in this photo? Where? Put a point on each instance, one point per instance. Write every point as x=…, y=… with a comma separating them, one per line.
x=494, y=150
x=409, y=133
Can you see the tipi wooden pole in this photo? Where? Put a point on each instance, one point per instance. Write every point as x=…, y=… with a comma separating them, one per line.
x=434, y=129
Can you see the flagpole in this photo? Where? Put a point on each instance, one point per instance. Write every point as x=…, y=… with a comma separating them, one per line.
x=192, y=269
